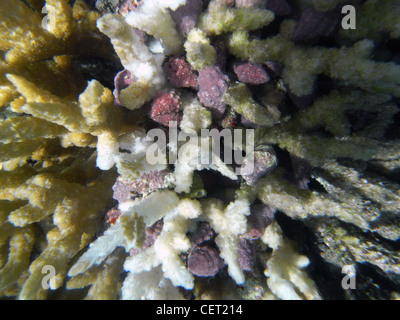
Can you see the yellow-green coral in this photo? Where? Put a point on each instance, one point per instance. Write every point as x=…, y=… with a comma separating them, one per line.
x=240, y=98
x=104, y=279
x=303, y=64
x=375, y=18
x=39, y=54
x=200, y=53
x=53, y=197
x=219, y=18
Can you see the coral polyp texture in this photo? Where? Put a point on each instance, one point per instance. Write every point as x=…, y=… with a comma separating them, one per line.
x=98, y=191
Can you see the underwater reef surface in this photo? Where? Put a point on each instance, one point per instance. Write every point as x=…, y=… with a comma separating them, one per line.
x=310, y=210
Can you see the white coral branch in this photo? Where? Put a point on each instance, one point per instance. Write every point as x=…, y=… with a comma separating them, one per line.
x=286, y=278
x=229, y=223
x=168, y=247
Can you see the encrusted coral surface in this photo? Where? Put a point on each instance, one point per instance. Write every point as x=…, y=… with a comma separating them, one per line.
x=81, y=92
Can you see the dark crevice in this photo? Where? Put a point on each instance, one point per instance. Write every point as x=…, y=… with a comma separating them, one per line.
x=314, y=185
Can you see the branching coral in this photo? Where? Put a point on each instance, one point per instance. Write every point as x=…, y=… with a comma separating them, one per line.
x=303, y=64
x=222, y=19
x=136, y=58
x=49, y=178
x=326, y=155
x=229, y=224
x=383, y=17
x=44, y=55
x=286, y=279
x=153, y=18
